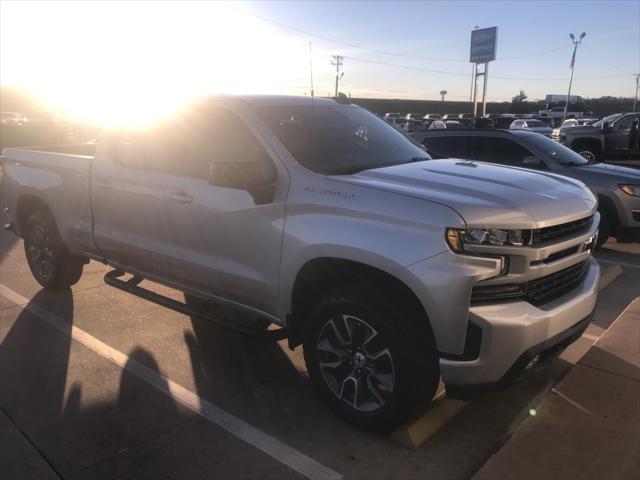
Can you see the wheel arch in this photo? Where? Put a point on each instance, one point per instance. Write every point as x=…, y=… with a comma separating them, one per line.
x=321, y=274
x=606, y=204
x=587, y=142
x=25, y=206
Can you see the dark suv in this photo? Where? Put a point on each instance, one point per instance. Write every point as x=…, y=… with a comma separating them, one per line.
x=615, y=135
x=617, y=188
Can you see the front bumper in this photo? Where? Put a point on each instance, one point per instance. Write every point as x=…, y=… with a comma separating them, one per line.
x=512, y=331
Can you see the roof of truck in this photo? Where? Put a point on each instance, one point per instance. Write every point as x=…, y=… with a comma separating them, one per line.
x=271, y=100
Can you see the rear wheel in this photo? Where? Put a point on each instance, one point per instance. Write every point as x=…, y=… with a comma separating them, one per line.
x=49, y=260
x=367, y=358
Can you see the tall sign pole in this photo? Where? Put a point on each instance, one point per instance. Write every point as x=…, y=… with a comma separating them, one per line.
x=484, y=89
x=483, y=50
x=571, y=65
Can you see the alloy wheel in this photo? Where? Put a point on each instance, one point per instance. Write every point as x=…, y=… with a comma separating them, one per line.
x=39, y=252
x=355, y=362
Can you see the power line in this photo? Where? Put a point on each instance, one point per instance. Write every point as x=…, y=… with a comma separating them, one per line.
x=382, y=52
x=459, y=74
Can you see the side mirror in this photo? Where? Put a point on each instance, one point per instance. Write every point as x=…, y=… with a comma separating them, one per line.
x=605, y=126
x=532, y=161
x=256, y=177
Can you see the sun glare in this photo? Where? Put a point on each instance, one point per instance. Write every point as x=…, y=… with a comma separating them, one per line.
x=123, y=63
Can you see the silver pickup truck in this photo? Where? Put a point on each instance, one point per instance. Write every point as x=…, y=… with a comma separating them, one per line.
x=318, y=217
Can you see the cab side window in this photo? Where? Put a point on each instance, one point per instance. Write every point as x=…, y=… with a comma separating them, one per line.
x=499, y=150
x=216, y=134
x=154, y=149
x=447, y=147
x=625, y=122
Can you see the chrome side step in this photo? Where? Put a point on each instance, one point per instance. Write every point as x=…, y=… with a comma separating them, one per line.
x=132, y=286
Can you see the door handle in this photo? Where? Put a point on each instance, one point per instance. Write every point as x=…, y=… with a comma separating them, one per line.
x=104, y=183
x=180, y=197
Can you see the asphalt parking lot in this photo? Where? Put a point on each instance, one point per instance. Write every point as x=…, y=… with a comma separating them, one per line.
x=96, y=383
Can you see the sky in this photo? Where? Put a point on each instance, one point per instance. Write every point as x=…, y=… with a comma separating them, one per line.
x=100, y=59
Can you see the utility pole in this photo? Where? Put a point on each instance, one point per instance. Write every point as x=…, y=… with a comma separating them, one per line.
x=311, y=67
x=635, y=100
x=573, y=62
x=338, y=62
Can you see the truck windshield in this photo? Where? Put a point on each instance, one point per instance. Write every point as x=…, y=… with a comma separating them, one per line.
x=338, y=139
x=608, y=119
x=550, y=149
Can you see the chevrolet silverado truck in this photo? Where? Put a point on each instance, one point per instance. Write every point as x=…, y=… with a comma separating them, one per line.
x=318, y=217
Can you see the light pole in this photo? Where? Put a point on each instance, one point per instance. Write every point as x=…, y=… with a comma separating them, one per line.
x=635, y=100
x=573, y=62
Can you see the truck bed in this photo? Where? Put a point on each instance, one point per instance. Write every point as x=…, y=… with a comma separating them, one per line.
x=60, y=175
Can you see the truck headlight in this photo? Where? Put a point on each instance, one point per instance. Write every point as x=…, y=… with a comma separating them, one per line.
x=457, y=238
x=630, y=189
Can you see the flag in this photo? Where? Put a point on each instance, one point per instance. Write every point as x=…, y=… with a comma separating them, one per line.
x=573, y=59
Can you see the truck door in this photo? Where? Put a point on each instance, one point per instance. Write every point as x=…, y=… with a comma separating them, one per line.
x=618, y=137
x=110, y=196
x=222, y=240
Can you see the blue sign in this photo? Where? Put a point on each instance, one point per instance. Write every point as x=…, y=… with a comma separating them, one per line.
x=483, y=45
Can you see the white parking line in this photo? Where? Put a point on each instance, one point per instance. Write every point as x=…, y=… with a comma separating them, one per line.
x=622, y=264
x=260, y=440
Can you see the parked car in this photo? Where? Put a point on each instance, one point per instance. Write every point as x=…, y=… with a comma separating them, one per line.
x=13, y=119
x=531, y=125
x=454, y=125
x=615, y=135
x=571, y=122
x=389, y=116
x=415, y=116
x=393, y=270
x=431, y=116
x=399, y=123
x=414, y=125
x=437, y=125
x=504, y=121
x=558, y=112
x=617, y=188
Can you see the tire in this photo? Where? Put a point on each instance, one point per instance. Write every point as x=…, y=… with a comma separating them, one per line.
x=50, y=262
x=604, y=229
x=588, y=152
x=385, y=356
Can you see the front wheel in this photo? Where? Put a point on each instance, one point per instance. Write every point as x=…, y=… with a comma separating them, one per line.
x=604, y=229
x=590, y=154
x=368, y=359
x=50, y=262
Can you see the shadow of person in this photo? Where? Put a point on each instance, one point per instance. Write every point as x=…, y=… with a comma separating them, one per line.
x=227, y=364
x=34, y=358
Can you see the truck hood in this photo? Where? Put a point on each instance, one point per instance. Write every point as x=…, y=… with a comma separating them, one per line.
x=582, y=130
x=603, y=172
x=485, y=195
